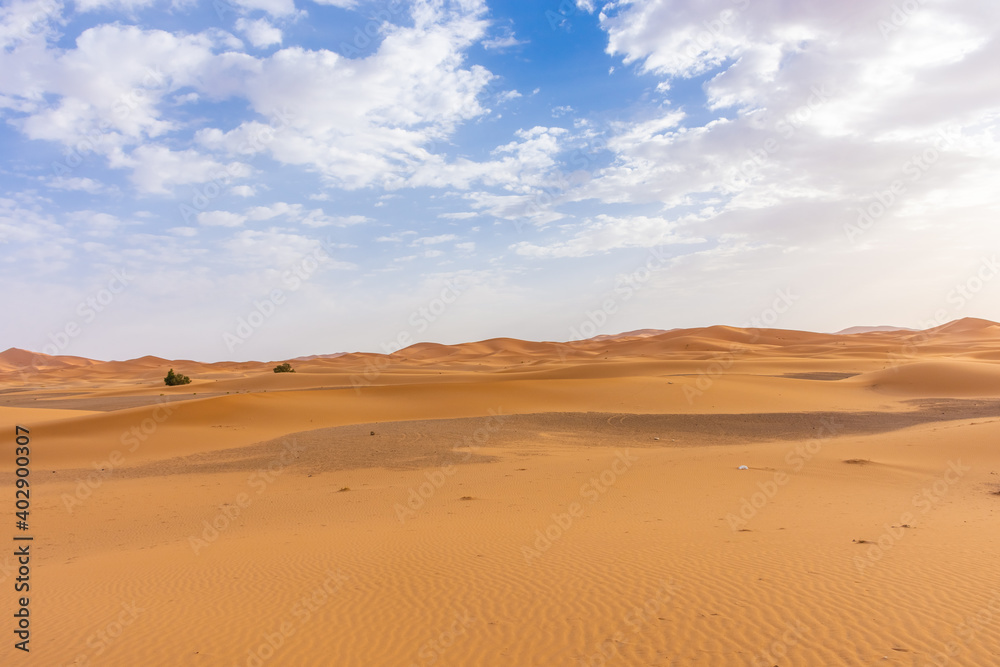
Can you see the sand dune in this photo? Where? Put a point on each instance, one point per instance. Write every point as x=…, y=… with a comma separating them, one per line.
x=944, y=378
x=507, y=502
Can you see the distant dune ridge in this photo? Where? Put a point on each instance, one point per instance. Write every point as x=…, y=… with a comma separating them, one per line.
x=706, y=496
x=16, y=363
x=876, y=329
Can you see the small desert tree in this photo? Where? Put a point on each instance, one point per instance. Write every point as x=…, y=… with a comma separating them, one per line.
x=284, y=368
x=174, y=379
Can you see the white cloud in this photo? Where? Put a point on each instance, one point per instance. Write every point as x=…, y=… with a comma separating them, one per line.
x=815, y=111
x=508, y=95
x=27, y=21
x=537, y=208
x=243, y=191
x=96, y=223
x=395, y=238
x=345, y=4
x=274, y=210
x=274, y=252
x=505, y=40
x=20, y=223
x=221, y=219
x=121, y=5
x=76, y=183
x=97, y=92
x=604, y=233
x=433, y=240
x=260, y=32
x=525, y=164
x=155, y=168
x=277, y=8
x=316, y=217
x=413, y=90
x=44, y=244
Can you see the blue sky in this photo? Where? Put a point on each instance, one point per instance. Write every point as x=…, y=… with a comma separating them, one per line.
x=262, y=179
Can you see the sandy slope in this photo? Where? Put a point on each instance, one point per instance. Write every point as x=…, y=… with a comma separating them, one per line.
x=522, y=504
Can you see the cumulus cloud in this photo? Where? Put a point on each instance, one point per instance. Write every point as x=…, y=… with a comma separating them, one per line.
x=278, y=249
x=604, y=233
x=813, y=110
x=77, y=183
x=277, y=8
x=156, y=168
x=407, y=95
x=243, y=191
x=260, y=32
x=344, y=4
x=221, y=219
x=433, y=240
x=96, y=223
x=505, y=40
x=523, y=165
x=297, y=213
x=27, y=21
x=120, y=5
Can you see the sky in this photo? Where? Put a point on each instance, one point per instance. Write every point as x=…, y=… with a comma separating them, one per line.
x=265, y=179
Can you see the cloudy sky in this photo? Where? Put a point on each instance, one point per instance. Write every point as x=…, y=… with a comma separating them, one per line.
x=261, y=179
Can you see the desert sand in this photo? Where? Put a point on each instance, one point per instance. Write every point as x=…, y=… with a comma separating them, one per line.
x=518, y=503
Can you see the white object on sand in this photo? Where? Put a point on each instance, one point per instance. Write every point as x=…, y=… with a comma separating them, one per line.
x=744, y=468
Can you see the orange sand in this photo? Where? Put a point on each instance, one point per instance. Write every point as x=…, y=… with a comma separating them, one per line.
x=490, y=520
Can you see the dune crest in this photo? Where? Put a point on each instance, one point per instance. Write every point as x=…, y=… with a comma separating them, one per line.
x=707, y=496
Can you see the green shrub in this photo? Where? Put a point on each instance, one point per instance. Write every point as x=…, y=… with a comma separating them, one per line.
x=174, y=379
x=284, y=368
